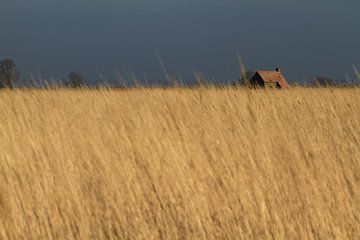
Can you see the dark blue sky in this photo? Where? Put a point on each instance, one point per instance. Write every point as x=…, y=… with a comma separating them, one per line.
x=304, y=38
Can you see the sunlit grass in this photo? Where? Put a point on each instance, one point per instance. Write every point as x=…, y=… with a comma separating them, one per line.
x=180, y=164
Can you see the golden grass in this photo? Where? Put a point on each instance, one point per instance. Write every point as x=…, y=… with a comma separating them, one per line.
x=180, y=164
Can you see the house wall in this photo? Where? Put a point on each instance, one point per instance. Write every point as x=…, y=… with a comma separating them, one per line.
x=257, y=81
x=271, y=85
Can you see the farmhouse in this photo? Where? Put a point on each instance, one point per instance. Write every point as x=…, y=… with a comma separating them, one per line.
x=269, y=79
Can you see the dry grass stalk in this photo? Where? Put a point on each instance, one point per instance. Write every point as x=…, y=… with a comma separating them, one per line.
x=357, y=73
x=153, y=163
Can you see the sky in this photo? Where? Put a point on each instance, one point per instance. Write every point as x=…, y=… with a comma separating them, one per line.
x=103, y=37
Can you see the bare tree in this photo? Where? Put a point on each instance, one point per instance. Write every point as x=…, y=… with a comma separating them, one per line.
x=75, y=80
x=8, y=73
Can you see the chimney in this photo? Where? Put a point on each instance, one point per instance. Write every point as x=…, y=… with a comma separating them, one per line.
x=278, y=70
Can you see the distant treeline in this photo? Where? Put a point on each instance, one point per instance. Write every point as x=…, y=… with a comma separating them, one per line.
x=10, y=77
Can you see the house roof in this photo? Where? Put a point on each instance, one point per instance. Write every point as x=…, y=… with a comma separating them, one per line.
x=273, y=76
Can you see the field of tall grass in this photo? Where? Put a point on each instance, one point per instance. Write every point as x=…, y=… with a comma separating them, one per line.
x=202, y=163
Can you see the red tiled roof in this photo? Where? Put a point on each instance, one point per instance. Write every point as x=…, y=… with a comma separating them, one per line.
x=273, y=76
